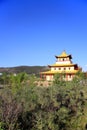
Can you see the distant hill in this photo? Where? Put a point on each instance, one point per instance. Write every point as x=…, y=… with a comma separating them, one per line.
x=28, y=69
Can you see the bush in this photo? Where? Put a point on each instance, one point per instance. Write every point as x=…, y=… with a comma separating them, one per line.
x=61, y=106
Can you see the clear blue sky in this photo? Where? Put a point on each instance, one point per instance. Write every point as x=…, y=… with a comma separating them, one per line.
x=32, y=32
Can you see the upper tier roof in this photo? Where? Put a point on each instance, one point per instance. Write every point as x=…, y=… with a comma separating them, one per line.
x=64, y=55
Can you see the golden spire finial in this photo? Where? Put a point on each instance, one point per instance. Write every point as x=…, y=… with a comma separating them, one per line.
x=63, y=53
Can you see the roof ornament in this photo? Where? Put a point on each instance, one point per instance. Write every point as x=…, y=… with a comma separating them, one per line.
x=63, y=53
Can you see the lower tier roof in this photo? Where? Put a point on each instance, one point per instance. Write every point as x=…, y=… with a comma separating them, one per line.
x=55, y=72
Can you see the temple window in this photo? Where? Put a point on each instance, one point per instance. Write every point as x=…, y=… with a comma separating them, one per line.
x=63, y=59
x=69, y=68
x=69, y=75
x=64, y=68
x=59, y=68
x=56, y=68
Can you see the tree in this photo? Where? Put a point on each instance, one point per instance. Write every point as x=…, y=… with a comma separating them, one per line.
x=10, y=109
x=59, y=80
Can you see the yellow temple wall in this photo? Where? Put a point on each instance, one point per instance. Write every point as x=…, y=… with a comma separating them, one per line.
x=63, y=62
x=67, y=78
x=61, y=59
x=62, y=68
x=49, y=77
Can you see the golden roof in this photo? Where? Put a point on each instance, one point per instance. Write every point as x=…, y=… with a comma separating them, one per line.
x=60, y=71
x=63, y=54
x=61, y=65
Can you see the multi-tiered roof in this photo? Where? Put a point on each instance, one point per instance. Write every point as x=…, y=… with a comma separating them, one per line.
x=63, y=64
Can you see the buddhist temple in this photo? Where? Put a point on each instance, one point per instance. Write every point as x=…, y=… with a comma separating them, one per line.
x=63, y=65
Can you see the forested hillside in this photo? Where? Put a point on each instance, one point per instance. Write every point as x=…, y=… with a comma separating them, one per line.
x=27, y=69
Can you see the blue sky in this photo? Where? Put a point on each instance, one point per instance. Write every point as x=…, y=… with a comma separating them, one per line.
x=32, y=32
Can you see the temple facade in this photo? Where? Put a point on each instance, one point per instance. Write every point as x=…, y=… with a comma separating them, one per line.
x=63, y=65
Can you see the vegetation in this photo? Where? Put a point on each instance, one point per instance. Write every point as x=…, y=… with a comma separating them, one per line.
x=61, y=106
